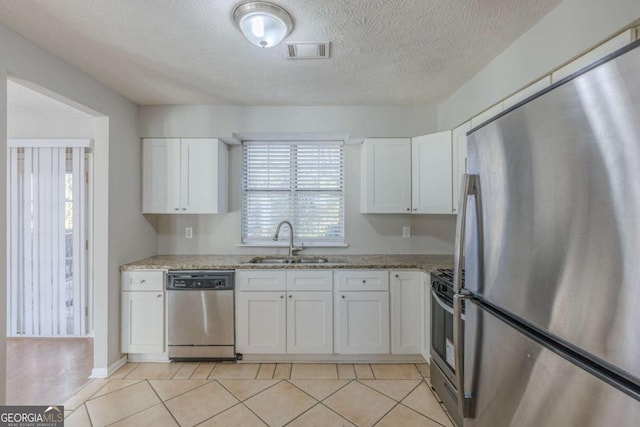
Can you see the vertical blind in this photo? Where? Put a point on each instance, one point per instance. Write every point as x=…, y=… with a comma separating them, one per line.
x=46, y=261
x=299, y=182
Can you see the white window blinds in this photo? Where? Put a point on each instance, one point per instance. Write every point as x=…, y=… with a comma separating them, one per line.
x=46, y=236
x=299, y=182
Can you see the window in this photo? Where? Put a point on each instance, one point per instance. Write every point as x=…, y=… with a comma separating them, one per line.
x=299, y=182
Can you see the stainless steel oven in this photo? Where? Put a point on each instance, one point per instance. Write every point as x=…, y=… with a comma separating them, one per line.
x=443, y=365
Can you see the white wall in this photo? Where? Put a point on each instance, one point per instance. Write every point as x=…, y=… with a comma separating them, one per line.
x=223, y=121
x=433, y=234
x=573, y=27
x=21, y=125
x=122, y=234
x=220, y=234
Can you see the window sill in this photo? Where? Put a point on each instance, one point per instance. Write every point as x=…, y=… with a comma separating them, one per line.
x=310, y=245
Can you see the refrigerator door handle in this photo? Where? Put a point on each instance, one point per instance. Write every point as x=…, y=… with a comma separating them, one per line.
x=470, y=187
x=465, y=400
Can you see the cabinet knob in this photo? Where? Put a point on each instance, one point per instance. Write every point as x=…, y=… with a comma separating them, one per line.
x=415, y=209
x=159, y=296
x=342, y=296
x=143, y=280
x=184, y=209
x=397, y=276
x=175, y=209
x=364, y=281
x=281, y=296
x=408, y=209
x=290, y=296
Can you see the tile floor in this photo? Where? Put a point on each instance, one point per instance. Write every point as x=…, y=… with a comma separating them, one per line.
x=254, y=394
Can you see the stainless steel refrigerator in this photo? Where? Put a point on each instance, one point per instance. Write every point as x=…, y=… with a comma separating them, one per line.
x=549, y=236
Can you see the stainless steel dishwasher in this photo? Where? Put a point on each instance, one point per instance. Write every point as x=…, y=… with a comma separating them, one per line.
x=200, y=312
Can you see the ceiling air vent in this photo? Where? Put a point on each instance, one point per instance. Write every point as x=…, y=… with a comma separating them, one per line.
x=307, y=50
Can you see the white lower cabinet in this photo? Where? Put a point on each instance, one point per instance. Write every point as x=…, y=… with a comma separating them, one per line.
x=362, y=311
x=426, y=316
x=261, y=322
x=284, y=319
x=310, y=322
x=406, y=312
x=362, y=322
x=142, y=321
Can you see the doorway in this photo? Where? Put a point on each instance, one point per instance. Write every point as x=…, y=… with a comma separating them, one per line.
x=49, y=224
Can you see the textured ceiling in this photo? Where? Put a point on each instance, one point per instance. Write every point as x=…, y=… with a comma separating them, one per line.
x=383, y=52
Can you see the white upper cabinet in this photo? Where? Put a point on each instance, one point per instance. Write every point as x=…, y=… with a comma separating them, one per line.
x=459, y=136
x=431, y=173
x=184, y=175
x=407, y=175
x=386, y=175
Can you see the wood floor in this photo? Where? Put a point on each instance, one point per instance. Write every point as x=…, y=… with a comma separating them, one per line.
x=46, y=371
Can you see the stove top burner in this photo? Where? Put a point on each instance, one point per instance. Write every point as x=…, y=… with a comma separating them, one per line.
x=445, y=275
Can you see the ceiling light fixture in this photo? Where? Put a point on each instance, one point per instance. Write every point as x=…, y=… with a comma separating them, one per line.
x=262, y=23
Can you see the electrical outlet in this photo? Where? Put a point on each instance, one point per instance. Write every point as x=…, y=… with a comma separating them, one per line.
x=188, y=232
x=406, y=231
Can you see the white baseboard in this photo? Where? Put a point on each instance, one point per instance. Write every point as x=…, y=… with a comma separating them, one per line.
x=333, y=358
x=107, y=372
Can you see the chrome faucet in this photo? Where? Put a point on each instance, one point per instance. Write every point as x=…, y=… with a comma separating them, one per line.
x=292, y=249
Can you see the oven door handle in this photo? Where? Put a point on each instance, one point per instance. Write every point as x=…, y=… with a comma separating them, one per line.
x=441, y=303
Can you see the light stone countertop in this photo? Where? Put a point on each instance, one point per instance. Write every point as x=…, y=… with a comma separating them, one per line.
x=428, y=263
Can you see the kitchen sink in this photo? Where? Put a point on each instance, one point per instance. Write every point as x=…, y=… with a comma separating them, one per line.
x=289, y=260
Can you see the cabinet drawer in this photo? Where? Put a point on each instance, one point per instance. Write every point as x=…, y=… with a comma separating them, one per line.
x=309, y=280
x=260, y=280
x=362, y=280
x=143, y=280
